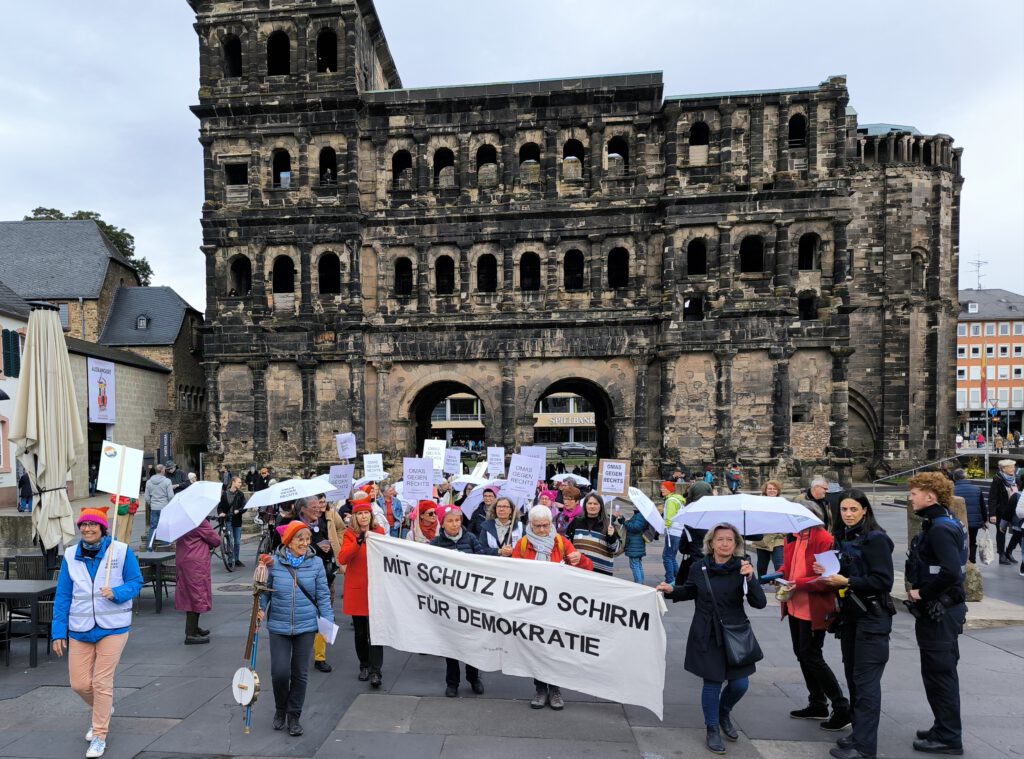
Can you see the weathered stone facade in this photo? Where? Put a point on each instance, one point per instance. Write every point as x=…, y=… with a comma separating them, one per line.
x=734, y=274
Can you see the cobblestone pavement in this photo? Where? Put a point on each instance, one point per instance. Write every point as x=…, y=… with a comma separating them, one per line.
x=173, y=701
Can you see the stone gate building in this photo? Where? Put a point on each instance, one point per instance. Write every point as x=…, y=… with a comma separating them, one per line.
x=749, y=274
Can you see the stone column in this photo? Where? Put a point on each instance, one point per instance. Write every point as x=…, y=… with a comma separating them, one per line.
x=596, y=156
x=723, y=403
x=422, y=278
x=508, y=403
x=671, y=269
x=259, y=410
x=305, y=279
x=209, y=178
x=214, y=444
x=782, y=140
x=756, y=144
x=840, y=137
x=783, y=258
x=352, y=171
x=812, y=138
x=550, y=264
x=640, y=363
x=463, y=165
x=725, y=113
x=726, y=264
x=671, y=141
x=259, y=280
x=841, y=260
x=667, y=406
x=357, y=376
x=782, y=402
x=839, y=433
x=464, y=284
x=508, y=158
x=549, y=164
x=355, y=290
x=423, y=183
x=596, y=258
x=508, y=281
x=384, y=413
x=309, y=448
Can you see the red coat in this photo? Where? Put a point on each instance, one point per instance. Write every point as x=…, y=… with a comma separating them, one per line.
x=353, y=558
x=194, y=590
x=822, y=598
x=524, y=550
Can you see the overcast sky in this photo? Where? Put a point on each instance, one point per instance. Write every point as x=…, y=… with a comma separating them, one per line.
x=95, y=94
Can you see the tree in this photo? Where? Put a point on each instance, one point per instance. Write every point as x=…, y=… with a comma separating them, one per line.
x=119, y=237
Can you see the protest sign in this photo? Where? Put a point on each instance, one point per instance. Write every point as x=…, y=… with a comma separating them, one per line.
x=613, y=477
x=522, y=478
x=434, y=450
x=418, y=480
x=373, y=466
x=452, y=461
x=346, y=445
x=341, y=478
x=536, y=619
x=540, y=454
x=495, y=461
x=111, y=456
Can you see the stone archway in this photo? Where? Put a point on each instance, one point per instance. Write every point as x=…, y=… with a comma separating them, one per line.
x=599, y=400
x=426, y=400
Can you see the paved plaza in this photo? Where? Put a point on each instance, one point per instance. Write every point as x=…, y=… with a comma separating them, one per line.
x=173, y=701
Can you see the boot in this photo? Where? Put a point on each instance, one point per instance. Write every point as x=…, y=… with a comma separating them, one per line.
x=279, y=719
x=200, y=630
x=714, y=741
x=192, y=636
x=294, y=726
x=540, y=699
x=725, y=723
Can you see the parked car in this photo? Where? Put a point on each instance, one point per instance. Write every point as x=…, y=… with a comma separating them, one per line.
x=576, y=449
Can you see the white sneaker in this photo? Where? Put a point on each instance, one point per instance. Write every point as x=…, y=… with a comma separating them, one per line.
x=88, y=735
x=97, y=748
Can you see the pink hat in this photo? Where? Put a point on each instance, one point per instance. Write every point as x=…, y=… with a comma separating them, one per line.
x=443, y=511
x=551, y=495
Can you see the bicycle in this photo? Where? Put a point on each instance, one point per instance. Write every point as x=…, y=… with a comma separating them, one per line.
x=266, y=527
x=226, y=550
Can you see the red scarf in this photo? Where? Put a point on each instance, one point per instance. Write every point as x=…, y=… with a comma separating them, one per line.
x=430, y=533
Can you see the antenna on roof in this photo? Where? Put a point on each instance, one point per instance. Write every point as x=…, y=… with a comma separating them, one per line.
x=977, y=264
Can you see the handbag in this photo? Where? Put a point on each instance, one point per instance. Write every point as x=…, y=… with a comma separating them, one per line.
x=737, y=638
x=985, y=547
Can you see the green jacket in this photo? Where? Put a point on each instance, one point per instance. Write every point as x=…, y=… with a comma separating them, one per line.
x=673, y=503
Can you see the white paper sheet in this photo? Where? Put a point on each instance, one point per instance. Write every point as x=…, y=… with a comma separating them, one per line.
x=830, y=561
x=327, y=628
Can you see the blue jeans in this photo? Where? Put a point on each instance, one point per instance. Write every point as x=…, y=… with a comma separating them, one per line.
x=236, y=537
x=636, y=563
x=154, y=520
x=668, y=557
x=24, y=504
x=715, y=700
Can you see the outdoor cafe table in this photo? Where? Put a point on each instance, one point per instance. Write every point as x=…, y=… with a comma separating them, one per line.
x=156, y=559
x=33, y=591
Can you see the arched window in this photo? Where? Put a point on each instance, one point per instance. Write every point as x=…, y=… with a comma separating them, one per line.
x=444, y=275
x=401, y=170
x=279, y=55
x=572, y=160
x=618, y=156
x=240, y=277
x=751, y=255
x=232, y=56
x=487, y=154
x=807, y=305
x=572, y=270
x=444, y=168
x=798, y=131
x=328, y=271
x=807, y=252
x=618, y=269
x=283, y=275
x=487, y=166
x=328, y=167
x=700, y=134
x=403, y=276
x=487, y=274
x=529, y=272
x=529, y=164
x=697, y=258
x=326, y=52
x=917, y=271
x=281, y=163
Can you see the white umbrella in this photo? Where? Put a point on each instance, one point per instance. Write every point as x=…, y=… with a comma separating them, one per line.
x=186, y=510
x=460, y=482
x=474, y=499
x=363, y=480
x=750, y=514
x=574, y=478
x=289, y=490
x=46, y=428
x=646, y=506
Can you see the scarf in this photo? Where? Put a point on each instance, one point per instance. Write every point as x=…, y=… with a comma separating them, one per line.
x=454, y=538
x=504, y=531
x=1009, y=481
x=542, y=545
x=293, y=560
x=91, y=551
x=567, y=516
x=429, y=533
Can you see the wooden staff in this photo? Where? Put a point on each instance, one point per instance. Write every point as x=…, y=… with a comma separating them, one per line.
x=117, y=504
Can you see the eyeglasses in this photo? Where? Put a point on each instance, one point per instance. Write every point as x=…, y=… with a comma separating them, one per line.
x=88, y=524
x=541, y=525
x=430, y=514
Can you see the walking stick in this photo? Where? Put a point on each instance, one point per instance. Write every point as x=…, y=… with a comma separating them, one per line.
x=245, y=684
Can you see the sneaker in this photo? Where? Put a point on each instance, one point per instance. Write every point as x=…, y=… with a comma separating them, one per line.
x=840, y=720
x=810, y=712
x=477, y=686
x=451, y=691
x=322, y=666
x=1004, y=561
x=88, y=735
x=938, y=747
x=555, y=700
x=279, y=720
x=375, y=679
x=294, y=726
x=97, y=747
x=540, y=699
x=364, y=674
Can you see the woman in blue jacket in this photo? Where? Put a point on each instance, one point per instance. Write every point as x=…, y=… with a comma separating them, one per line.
x=300, y=595
x=94, y=608
x=636, y=546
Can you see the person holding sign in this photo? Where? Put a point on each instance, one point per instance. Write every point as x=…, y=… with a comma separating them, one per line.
x=502, y=530
x=356, y=603
x=718, y=584
x=93, y=606
x=810, y=606
x=454, y=538
x=300, y=597
x=594, y=535
x=542, y=543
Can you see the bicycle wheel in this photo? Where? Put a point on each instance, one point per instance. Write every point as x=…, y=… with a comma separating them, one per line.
x=227, y=550
x=264, y=545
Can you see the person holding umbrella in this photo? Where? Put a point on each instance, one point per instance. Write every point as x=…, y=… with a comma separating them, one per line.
x=93, y=607
x=718, y=584
x=194, y=592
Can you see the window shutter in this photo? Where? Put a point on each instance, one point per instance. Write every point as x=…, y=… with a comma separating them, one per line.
x=15, y=341
x=8, y=368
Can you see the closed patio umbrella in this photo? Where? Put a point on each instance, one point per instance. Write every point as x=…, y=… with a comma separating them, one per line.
x=46, y=427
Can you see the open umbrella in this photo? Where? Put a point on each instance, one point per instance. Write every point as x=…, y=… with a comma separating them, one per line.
x=363, y=480
x=186, y=510
x=646, y=506
x=750, y=514
x=289, y=490
x=474, y=499
x=460, y=482
x=573, y=478
x=46, y=427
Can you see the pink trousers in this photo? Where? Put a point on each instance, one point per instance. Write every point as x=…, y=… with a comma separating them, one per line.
x=92, y=668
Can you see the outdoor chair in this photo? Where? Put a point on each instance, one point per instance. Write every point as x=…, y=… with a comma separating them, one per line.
x=26, y=567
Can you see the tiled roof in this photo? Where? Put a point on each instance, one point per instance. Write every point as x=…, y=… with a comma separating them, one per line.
x=163, y=308
x=993, y=304
x=12, y=304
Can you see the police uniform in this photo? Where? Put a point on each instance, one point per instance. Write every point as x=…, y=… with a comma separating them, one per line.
x=866, y=611
x=936, y=565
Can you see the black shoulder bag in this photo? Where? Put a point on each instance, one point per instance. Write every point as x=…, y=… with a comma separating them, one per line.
x=737, y=638
x=304, y=591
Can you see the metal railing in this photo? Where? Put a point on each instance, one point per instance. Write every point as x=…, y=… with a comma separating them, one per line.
x=929, y=465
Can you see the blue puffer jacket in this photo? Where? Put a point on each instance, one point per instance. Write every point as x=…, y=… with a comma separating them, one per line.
x=291, y=613
x=974, y=497
x=635, y=543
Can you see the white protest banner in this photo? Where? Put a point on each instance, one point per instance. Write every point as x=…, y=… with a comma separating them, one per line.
x=341, y=478
x=452, y=461
x=536, y=619
x=522, y=478
x=419, y=480
x=495, y=461
x=102, y=392
x=434, y=450
x=613, y=477
x=346, y=445
x=111, y=456
x=540, y=453
x=373, y=466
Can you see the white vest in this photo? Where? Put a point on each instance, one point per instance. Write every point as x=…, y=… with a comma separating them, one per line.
x=89, y=608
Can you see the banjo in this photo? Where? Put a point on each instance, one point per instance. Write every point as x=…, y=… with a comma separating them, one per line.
x=245, y=683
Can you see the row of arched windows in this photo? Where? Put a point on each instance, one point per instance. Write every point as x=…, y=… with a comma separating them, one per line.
x=282, y=278
x=700, y=133
x=279, y=58
x=281, y=168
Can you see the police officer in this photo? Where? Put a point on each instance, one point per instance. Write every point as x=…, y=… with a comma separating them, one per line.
x=865, y=618
x=936, y=564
